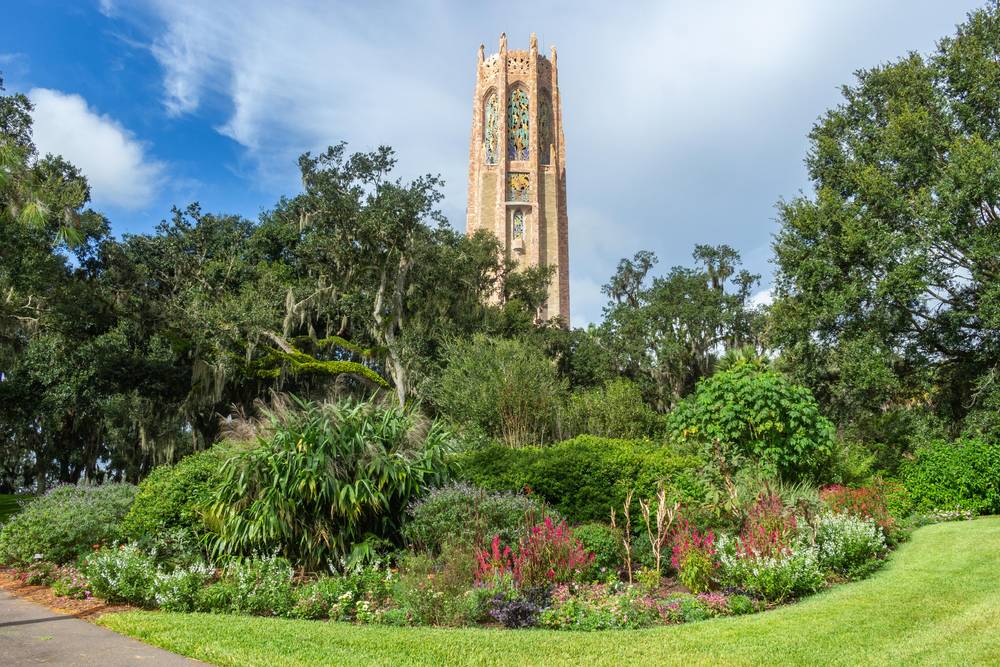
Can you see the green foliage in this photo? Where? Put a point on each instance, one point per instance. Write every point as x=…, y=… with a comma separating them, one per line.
x=666, y=335
x=65, y=523
x=175, y=496
x=10, y=505
x=748, y=416
x=295, y=361
x=775, y=578
x=887, y=290
x=597, y=609
x=261, y=586
x=508, y=388
x=848, y=545
x=963, y=474
x=179, y=589
x=697, y=570
x=121, y=574
x=615, y=410
x=329, y=478
x=464, y=514
x=584, y=478
x=342, y=598
x=440, y=591
x=604, y=542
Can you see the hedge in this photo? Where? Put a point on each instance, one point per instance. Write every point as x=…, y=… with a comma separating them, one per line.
x=585, y=477
x=961, y=474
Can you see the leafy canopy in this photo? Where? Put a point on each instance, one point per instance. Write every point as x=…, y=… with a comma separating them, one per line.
x=748, y=415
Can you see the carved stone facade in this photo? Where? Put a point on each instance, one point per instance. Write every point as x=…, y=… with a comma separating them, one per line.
x=517, y=163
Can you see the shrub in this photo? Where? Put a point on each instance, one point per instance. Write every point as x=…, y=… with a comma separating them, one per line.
x=217, y=598
x=514, y=613
x=178, y=590
x=694, y=557
x=467, y=514
x=440, y=591
x=65, y=523
x=507, y=388
x=549, y=554
x=338, y=597
x=740, y=605
x=616, y=410
x=261, y=586
x=747, y=415
x=173, y=497
x=173, y=548
x=847, y=544
x=768, y=529
x=121, y=574
x=585, y=477
x=775, y=578
x=604, y=542
x=330, y=479
x=963, y=474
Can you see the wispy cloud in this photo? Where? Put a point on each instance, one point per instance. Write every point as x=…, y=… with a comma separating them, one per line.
x=114, y=161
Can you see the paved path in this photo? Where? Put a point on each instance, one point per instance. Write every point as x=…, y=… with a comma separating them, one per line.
x=31, y=634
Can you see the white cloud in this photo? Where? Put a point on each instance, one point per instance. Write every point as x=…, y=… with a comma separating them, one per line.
x=684, y=121
x=114, y=162
x=764, y=297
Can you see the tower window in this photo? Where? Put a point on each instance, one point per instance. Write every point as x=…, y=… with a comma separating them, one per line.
x=544, y=127
x=518, y=186
x=517, y=125
x=517, y=224
x=491, y=129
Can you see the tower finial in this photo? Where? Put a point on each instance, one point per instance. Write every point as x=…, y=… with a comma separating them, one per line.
x=553, y=51
x=503, y=42
x=533, y=43
x=482, y=53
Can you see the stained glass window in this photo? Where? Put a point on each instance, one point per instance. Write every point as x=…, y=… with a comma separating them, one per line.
x=518, y=186
x=491, y=129
x=544, y=127
x=517, y=125
x=517, y=224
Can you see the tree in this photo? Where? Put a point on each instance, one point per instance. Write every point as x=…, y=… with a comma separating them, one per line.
x=667, y=335
x=888, y=284
x=747, y=416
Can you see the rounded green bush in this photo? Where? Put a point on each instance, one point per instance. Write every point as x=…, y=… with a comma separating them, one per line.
x=173, y=496
x=65, y=523
x=463, y=513
x=604, y=542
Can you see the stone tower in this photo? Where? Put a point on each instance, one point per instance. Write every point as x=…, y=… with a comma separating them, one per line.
x=517, y=163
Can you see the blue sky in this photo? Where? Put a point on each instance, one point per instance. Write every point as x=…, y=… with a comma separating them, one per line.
x=685, y=121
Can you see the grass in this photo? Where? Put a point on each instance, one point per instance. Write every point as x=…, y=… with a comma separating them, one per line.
x=937, y=601
x=9, y=506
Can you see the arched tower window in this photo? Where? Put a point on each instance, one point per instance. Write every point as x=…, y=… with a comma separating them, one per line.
x=545, y=135
x=491, y=129
x=517, y=125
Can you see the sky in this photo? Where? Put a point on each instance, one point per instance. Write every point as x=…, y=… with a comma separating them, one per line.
x=685, y=122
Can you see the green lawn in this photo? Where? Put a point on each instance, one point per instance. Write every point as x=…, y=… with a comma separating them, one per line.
x=936, y=602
